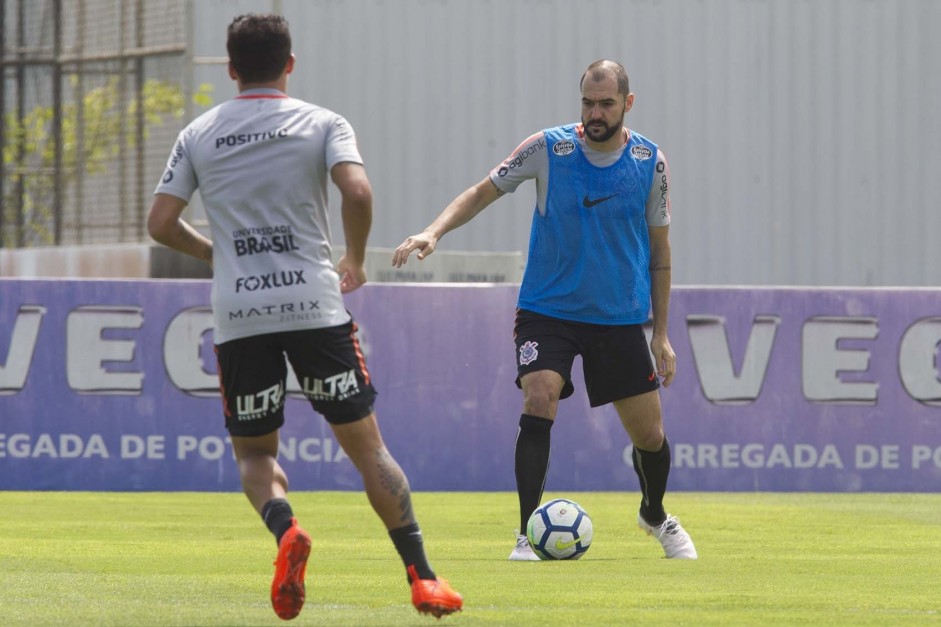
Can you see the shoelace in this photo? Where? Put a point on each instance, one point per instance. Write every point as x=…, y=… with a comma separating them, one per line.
x=669, y=527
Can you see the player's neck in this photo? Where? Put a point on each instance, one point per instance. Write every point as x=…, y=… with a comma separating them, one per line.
x=281, y=84
x=609, y=145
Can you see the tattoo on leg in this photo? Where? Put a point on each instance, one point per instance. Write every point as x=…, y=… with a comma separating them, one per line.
x=393, y=480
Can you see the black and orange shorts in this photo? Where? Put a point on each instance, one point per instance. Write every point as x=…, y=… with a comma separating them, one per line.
x=328, y=364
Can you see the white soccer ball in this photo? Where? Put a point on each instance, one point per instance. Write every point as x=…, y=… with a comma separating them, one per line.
x=559, y=530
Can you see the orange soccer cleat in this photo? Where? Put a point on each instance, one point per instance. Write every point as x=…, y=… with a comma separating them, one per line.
x=434, y=596
x=287, y=588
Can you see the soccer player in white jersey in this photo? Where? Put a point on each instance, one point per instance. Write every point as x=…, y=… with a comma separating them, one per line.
x=598, y=267
x=261, y=162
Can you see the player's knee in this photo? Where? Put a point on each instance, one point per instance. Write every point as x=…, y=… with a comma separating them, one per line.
x=650, y=440
x=540, y=400
x=540, y=405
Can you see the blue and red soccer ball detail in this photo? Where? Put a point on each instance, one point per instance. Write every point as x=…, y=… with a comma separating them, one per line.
x=559, y=530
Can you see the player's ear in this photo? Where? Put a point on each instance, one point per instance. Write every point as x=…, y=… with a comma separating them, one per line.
x=289, y=66
x=232, y=73
x=628, y=102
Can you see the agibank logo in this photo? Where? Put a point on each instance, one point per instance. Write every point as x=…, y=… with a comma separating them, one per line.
x=521, y=156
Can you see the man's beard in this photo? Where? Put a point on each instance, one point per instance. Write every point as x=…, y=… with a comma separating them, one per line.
x=592, y=130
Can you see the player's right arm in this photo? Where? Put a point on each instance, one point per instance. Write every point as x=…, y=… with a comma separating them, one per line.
x=165, y=225
x=460, y=211
x=504, y=178
x=164, y=221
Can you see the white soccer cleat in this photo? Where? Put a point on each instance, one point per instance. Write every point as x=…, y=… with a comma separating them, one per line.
x=673, y=538
x=523, y=552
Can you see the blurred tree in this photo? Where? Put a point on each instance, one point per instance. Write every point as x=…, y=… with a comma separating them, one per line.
x=107, y=127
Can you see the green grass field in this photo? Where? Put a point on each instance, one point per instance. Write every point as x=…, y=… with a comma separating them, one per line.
x=205, y=559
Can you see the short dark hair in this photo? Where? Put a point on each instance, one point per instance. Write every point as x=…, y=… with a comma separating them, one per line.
x=597, y=71
x=259, y=46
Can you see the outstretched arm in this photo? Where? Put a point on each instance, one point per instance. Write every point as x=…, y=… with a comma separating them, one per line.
x=460, y=211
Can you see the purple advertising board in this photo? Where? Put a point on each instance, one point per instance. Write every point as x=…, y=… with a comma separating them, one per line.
x=111, y=385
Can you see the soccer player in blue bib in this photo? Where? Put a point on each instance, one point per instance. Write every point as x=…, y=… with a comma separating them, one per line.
x=598, y=268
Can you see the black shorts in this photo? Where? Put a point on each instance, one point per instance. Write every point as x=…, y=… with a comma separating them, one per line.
x=615, y=358
x=328, y=364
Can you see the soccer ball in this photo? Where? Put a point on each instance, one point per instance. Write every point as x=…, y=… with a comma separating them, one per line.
x=559, y=530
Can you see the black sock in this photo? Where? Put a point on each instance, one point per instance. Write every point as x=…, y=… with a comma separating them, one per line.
x=653, y=469
x=277, y=514
x=532, y=463
x=408, y=542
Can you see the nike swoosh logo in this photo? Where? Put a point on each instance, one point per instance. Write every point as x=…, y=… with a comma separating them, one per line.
x=652, y=376
x=589, y=203
x=561, y=546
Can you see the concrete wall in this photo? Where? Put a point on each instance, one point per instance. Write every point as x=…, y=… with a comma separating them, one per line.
x=802, y=134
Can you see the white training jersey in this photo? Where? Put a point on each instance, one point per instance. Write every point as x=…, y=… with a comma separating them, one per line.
x=530, y=161
x=261, y=162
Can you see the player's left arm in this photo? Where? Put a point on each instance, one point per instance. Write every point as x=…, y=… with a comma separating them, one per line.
x=356, y=210
x=658, y=230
